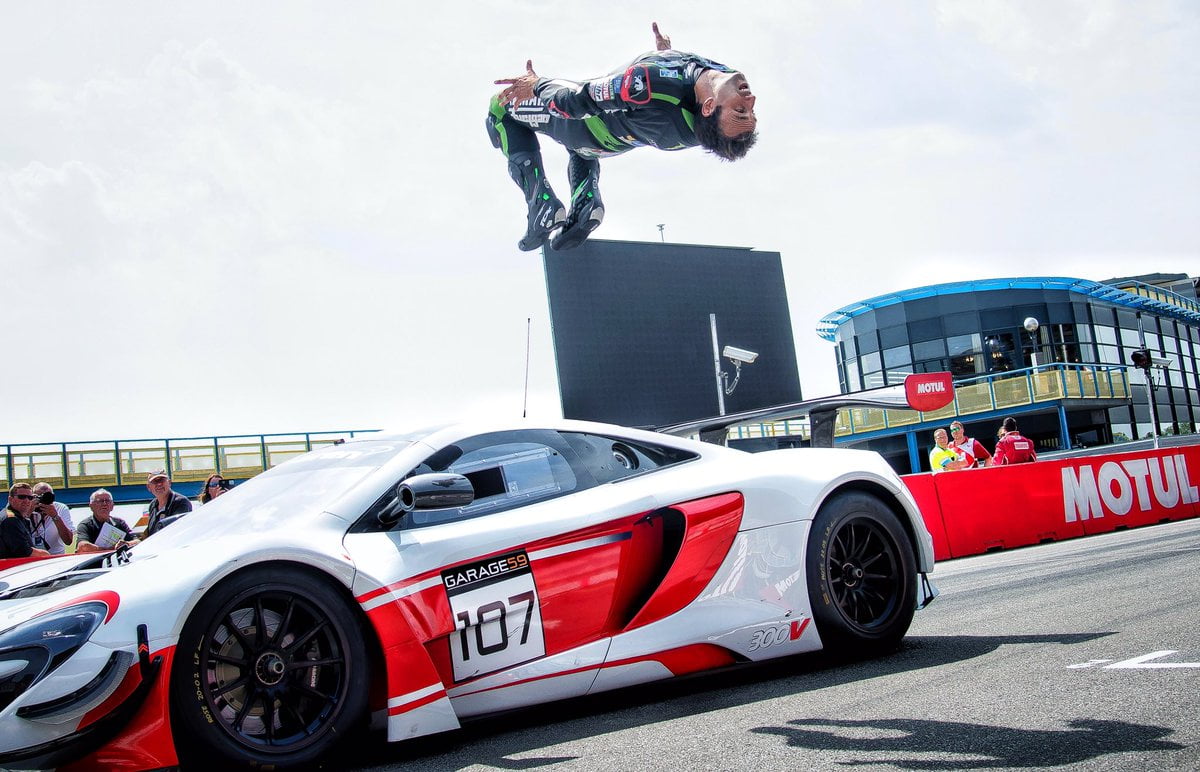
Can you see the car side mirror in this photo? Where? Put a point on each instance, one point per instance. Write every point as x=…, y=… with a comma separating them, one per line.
x=437, y=490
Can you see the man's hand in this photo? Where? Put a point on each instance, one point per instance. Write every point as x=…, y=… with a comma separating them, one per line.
x=519, y=88
x=661, y=41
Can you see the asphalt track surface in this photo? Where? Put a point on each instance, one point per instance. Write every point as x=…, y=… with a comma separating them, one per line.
x=1044, y=657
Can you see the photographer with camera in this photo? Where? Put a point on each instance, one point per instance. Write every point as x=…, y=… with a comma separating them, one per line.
x=51, y=520
x=16, y=531
x=214, y=486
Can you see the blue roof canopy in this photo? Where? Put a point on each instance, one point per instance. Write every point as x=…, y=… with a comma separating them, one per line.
x=1185, y=309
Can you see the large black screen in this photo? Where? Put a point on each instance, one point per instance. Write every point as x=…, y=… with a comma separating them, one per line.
x=632, y=333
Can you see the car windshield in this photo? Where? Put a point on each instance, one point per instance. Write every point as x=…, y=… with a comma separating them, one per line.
x=292, y=489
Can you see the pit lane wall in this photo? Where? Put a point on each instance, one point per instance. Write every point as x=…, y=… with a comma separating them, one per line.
x=972, y=511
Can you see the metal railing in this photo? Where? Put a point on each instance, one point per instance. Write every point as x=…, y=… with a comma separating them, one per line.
x=999, y=391
x=127, y=462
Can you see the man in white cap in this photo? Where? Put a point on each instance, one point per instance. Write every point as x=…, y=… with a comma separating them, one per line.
x=167, y=506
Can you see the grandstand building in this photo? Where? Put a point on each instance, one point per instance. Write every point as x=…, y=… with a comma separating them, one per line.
x=1069, y=341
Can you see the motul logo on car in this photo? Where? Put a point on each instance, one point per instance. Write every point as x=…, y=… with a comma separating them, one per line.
x=1119, y=484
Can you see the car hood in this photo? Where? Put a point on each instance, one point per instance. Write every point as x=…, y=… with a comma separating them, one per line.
x=160, y=580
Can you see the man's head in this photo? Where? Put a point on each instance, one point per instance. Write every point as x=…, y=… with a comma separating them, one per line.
x=21, y=499
x=101, y=503
x=957, y=432
x=158, y=483
x=44, y=493
x=1010, y=425
x=939, y=437
x=726, y=125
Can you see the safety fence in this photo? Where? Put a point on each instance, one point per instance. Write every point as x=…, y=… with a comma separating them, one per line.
x=989, y=393
x=972, y=511
x=118, y=462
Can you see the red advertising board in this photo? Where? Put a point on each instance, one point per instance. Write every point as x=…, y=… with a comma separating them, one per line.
x=976, y=510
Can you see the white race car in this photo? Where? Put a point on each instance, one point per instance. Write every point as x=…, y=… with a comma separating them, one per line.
x=419, y=578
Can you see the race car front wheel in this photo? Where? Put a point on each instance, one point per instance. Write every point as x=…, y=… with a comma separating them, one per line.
x=861, y=575
x=271, y=672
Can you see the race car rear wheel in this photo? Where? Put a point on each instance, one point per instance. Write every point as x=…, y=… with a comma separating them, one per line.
x=271, y=672
x=861, y=574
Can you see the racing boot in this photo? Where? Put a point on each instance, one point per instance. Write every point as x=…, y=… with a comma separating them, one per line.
x=546, y=212
x=587, y=210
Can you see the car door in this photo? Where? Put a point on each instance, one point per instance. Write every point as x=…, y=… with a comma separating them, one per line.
x=544, y=561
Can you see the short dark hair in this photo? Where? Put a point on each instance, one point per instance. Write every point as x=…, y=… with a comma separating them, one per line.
x=708, y=131
x=1010, y=424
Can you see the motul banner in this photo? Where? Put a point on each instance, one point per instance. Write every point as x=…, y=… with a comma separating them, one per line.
x=929, y=391
x=976, y=510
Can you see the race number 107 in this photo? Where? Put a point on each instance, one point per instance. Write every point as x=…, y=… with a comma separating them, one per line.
x=491, y=619
x=498, y=618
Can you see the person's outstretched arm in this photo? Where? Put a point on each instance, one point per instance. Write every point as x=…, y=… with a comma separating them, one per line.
x=661, y=42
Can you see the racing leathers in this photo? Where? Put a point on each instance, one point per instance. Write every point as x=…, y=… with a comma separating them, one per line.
x=649, y=103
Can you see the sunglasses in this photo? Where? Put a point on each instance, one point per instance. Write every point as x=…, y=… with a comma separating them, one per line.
x=215, y=483
x=23, y=496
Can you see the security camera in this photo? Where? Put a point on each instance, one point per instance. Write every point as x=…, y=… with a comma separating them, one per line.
x=740, y=355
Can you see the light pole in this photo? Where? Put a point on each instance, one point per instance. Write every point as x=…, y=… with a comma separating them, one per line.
x=1031, y=326
x=662, y=237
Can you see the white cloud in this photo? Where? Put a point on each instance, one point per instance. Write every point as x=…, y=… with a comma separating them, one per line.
x=288, y=216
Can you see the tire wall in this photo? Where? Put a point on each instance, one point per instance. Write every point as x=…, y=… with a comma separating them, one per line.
x=972, y=511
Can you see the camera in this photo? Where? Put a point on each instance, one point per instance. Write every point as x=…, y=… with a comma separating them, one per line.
x=224, y=484
x=46, y=498
x=740, y=355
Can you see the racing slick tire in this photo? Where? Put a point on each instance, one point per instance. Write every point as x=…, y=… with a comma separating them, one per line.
x=271, y=672
x=862, y=575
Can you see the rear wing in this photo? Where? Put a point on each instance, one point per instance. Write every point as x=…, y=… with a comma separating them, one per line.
x=921, y=391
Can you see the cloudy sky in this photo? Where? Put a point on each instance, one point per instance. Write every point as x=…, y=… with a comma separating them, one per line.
x=269, y=217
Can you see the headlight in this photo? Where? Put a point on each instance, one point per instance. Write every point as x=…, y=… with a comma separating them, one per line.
x=32, y=649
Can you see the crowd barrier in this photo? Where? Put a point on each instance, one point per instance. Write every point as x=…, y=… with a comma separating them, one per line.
x=972, y=511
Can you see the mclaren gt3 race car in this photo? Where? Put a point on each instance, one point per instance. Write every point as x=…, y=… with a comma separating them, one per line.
x=416, y=579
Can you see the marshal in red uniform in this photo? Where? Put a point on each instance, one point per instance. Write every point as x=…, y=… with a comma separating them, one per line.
x=1012, y=448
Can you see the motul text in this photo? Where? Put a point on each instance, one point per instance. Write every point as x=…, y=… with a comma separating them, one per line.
x=1118, y=484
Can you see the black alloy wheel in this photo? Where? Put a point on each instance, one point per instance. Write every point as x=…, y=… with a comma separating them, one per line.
x=272, y=669
x=862, y=574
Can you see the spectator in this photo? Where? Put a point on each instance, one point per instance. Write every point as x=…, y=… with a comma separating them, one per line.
x=941, y=457
x=16, y=530
x=167, y=506
x=51, y=520
x=88, y=530
x=1012, y=447
x=214, y=486
x=968, y=449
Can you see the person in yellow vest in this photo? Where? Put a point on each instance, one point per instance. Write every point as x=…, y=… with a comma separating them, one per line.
x=942, y=457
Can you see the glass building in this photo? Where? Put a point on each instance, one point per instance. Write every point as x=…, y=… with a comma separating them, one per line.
x=981, y=330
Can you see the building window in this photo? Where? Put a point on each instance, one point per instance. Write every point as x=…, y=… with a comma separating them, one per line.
x=1110, y=355
x=895, y=357
x=1106, y=335
x=1130, y=338
x=1000, y=352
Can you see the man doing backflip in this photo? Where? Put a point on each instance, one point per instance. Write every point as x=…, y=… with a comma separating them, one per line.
x=666, y=99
